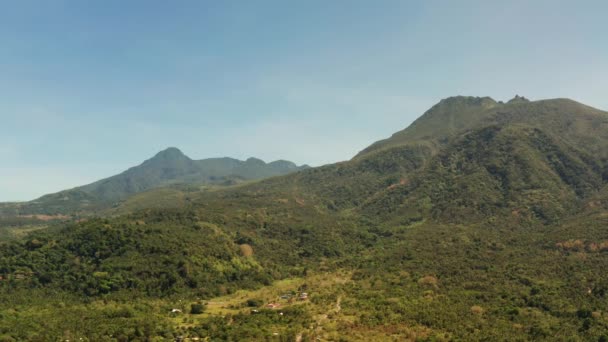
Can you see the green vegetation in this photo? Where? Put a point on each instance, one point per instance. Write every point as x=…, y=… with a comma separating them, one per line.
x=14, y=227
x=168, y=167
x=483, y=221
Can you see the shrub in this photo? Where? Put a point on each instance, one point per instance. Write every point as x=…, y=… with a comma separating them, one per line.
x=428, y=280
x=197, y=309
x=583, y=313
x=246, y=250
x=254, y=303
x=477, y=310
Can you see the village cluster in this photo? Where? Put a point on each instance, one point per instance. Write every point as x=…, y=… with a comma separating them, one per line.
x=289, y=297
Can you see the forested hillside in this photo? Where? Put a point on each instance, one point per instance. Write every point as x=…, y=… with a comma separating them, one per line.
x=482, y=221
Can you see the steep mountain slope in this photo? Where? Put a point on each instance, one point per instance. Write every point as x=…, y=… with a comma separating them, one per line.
x=578, y=124
x=448, y=117
x=167, y=167
x=498, y=170
x=497, y=156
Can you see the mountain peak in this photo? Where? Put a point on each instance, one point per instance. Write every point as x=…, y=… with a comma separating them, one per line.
x=170, y=153
x=283, y=164
x=485, y=101
x=446, y=117
x=169, y=156
x=454, y=115
x=253, y=160
x=518, y=99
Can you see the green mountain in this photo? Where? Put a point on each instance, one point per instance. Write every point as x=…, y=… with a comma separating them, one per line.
x=168, y=167
x=456, y=115
x=542, y=159
x=482, y=221
x=450, y=116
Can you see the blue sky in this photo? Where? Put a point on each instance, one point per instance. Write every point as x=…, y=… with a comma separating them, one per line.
x=90, y=88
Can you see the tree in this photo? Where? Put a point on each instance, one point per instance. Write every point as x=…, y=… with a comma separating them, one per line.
x=197, y=309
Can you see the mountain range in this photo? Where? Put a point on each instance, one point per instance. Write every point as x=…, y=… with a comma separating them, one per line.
x=168, y=167
x=481, y=221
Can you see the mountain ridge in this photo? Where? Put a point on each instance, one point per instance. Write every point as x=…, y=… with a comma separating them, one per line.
x=561, y=143
x=167, y=167
x=453, y=115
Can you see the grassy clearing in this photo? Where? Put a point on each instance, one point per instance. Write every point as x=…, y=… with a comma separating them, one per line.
x=13, y=232
x=316, y=286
